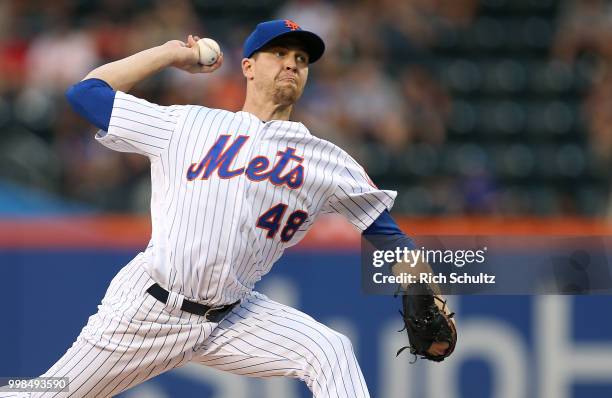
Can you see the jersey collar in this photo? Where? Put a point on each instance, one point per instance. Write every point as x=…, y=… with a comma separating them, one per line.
x=294, y=125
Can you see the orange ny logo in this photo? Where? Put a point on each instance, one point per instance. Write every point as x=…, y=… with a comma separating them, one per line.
x=291, y=25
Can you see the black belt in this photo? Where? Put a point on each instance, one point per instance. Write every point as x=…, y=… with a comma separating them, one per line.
x=212, y=314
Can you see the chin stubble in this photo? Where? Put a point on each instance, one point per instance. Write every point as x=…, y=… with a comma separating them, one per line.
x=286, y=95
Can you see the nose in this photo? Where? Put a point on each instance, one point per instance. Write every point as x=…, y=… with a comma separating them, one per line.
x=290, y=64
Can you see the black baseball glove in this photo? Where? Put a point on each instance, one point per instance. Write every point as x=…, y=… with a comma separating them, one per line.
x=426, y=321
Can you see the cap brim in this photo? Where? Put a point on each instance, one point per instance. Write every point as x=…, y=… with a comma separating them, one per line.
x=313, y=44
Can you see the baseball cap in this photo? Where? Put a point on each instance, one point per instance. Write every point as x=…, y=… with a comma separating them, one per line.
x=265, y=32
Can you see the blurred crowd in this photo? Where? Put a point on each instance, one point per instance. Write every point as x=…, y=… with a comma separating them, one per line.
x=405, y=86
x=585, y=30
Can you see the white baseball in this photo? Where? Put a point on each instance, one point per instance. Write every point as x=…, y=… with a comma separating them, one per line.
x=209, y=51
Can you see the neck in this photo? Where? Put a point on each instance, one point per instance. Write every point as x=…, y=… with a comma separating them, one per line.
x=266, y=110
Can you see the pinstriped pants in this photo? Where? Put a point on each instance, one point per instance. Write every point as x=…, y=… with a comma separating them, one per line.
x=134, y=337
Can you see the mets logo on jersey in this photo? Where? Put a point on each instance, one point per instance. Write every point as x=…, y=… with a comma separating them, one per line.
x=219, y=158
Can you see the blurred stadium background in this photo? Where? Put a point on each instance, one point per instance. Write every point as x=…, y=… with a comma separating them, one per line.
x=484, y=115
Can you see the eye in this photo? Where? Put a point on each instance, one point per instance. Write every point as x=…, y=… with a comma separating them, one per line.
x=280, y=53
x=302, y=58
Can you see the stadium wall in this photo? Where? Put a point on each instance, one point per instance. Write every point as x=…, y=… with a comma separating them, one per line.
x=55, y=271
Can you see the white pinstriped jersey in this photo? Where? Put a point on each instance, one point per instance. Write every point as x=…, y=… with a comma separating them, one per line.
x=230, y=193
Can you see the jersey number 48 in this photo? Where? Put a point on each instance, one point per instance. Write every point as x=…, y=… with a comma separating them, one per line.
x=271, y=221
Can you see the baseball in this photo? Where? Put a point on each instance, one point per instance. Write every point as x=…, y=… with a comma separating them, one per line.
x=209, y=51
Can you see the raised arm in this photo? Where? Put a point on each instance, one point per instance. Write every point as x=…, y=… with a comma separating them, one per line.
x=123, y=74
x=94, y=96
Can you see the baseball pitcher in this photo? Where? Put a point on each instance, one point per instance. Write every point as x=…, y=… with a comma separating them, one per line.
x=230, y=192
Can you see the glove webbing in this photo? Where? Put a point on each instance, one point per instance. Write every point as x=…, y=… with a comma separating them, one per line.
x=413, y=349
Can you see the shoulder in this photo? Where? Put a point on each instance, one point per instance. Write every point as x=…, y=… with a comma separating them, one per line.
x=339, y=154
x=323, y=143
x=332, y=155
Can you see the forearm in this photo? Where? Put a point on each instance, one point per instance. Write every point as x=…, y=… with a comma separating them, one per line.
x=94, y=96
x=123, y=74
x=385, y=234
x=416, y=270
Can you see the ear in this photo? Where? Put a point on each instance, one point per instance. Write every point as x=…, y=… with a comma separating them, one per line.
x=248, y=66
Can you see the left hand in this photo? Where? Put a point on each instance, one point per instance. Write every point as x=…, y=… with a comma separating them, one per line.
x=431, y=330
x=438, y=348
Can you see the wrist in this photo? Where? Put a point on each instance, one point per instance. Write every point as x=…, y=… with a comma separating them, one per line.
x=175, y=53
x=168, y=56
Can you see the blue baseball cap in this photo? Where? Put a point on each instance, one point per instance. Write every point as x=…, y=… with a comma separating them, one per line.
x=265, y=32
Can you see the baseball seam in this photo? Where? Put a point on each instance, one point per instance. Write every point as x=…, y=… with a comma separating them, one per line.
x=200, y=52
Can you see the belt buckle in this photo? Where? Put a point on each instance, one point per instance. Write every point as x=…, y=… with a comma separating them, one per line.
x=207, y=313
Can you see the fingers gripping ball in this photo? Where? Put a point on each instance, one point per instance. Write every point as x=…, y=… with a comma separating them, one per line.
x=209, y=51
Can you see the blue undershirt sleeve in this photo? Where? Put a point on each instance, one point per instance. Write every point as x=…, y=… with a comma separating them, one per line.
x=383, y=225
x=385, y=234
x=92, y=99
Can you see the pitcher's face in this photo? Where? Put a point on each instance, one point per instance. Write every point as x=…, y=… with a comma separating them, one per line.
x=280, y=71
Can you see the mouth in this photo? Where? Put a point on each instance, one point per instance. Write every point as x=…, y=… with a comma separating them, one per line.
x=290, y=79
